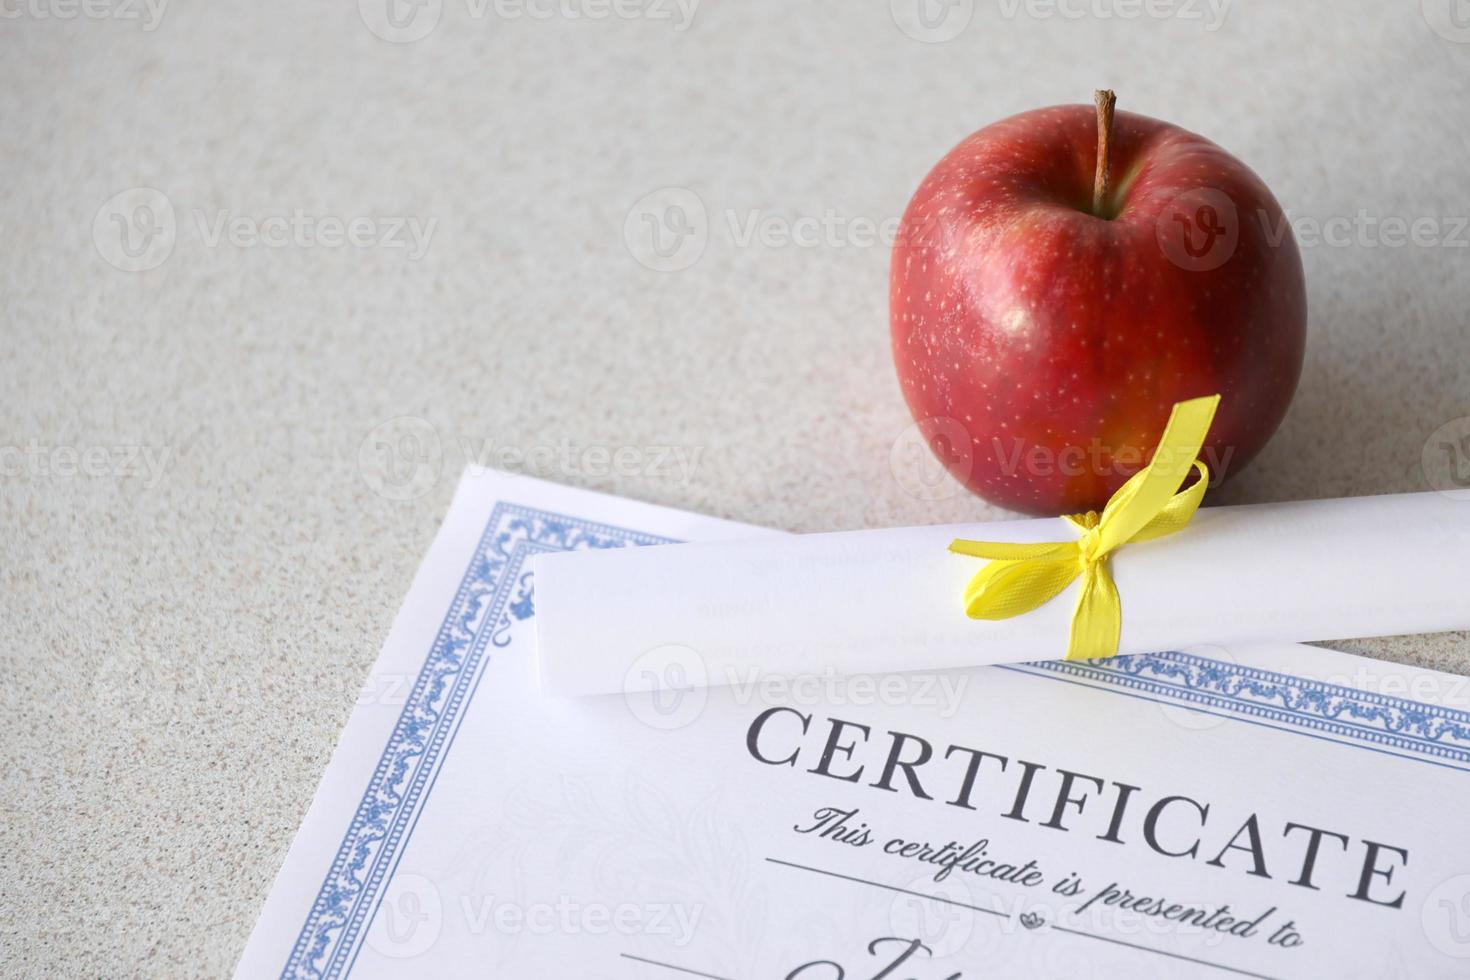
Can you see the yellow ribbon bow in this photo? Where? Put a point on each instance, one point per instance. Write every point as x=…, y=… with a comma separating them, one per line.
x=1021, y=577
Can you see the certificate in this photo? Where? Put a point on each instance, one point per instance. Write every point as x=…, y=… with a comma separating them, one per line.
x=1280, y=811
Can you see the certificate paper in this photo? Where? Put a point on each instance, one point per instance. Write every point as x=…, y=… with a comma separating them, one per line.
x=1267, y=812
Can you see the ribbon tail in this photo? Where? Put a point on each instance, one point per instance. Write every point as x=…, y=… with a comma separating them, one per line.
x=1141, y=499
x=1097, y=620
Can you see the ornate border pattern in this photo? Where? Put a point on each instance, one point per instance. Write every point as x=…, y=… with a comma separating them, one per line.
x=494, y=595
x=1380, y=720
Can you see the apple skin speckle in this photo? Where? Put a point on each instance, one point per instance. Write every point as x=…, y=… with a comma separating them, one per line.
x=1062, y=339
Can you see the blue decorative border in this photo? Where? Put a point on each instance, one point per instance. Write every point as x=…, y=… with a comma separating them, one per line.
x=1251, y=693
x=494, y=595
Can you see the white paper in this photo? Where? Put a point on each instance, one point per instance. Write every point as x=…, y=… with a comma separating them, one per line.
x=467, y=827
x=870, y=601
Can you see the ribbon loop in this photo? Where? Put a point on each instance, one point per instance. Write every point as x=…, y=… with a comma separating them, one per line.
x=1021, y=577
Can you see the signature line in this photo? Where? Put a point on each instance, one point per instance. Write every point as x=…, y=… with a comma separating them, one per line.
x=1149, y=949
x=891, y=888
x=669, y=966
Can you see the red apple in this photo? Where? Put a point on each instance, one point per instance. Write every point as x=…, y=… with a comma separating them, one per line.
x=1062, y=278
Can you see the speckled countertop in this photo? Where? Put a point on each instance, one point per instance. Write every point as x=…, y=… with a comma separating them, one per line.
x=202, y=540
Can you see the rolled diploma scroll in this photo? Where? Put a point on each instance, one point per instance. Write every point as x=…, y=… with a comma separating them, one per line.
x=890, y=600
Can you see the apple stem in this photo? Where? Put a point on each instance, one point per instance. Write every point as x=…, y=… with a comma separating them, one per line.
x=1106, y=101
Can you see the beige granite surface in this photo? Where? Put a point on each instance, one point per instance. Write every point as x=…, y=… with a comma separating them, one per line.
x=206, y=525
